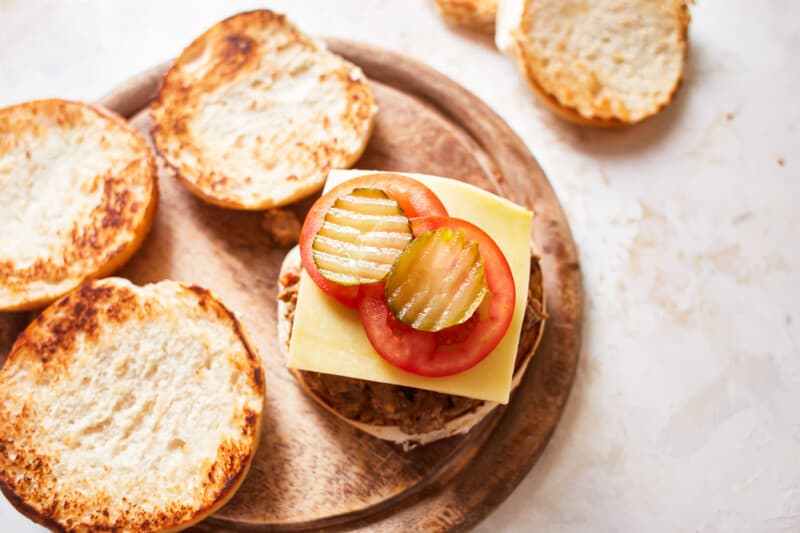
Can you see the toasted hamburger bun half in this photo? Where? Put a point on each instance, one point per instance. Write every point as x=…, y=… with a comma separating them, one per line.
x=79, y=195
x=598, y=63
x=126, y=408
x=253, y=114
x=417, y=428
x=475, y=15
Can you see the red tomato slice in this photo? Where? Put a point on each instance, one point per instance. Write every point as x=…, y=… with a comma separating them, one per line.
x=393, y=337
x=451, y=350
x=414, y=198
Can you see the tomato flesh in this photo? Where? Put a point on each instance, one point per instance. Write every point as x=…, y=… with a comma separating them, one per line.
x=414, y=198
x=451, y=350
x=393, y=337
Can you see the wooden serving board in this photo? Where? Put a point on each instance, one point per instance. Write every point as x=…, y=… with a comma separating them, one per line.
x=311, y=470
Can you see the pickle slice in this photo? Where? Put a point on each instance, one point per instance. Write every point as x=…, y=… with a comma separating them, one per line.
x=437, y=282
x=362, y=235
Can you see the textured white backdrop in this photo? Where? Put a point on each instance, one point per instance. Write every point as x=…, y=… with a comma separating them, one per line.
x=685, y=415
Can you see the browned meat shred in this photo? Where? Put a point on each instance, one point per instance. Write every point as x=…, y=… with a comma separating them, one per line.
x=413, y=411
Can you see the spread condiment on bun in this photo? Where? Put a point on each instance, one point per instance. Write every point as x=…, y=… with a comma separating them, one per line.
x=78, y=197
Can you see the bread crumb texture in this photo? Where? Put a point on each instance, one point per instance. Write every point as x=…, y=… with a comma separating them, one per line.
x=615, y=60
x=475, y=15
x=128, y=408
x=253, y=114
x=282, y=226
x=78, y=187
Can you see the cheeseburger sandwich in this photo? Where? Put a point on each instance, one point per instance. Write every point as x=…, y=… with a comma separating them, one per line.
x=412, y=305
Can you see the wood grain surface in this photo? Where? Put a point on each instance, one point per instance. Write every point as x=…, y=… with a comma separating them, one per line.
x=312, y=470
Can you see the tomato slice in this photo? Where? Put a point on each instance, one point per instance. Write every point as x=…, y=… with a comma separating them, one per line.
x=403, y=342
x=414, y=198
x=451, y=350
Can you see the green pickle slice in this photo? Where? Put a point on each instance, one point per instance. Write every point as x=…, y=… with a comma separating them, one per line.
x=362, y=235
x=438, y=281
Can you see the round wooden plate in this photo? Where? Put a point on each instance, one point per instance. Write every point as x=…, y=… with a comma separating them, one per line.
x=311, y=470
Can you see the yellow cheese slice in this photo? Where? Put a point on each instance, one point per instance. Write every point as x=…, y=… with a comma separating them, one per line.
x=328, y=337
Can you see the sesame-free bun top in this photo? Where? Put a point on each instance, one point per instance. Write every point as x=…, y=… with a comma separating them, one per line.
x=598, y=63
x=126, y=408
x=78, y=197
x=253, y=114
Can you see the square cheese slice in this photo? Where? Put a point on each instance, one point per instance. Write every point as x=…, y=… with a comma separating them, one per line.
x=328, y=337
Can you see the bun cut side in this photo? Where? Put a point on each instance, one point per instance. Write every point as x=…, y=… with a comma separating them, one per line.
x=79, y=196
x=475, y=15
x=128, y=408
x=598, y=63
x=253, y=114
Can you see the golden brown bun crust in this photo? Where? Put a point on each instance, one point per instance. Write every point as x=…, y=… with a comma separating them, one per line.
x=240, y=158
x=44, y=472
x=605, y=116
x=103, y=240
x=475, y=15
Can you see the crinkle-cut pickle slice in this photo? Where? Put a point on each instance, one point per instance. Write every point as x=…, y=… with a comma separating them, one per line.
x=362, y=234
x=437, y=282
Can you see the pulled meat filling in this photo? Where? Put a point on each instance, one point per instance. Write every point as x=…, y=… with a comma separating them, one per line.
x=413, y=411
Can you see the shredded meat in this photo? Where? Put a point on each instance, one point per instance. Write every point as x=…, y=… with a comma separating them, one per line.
x=413, y=411
x=534, y=314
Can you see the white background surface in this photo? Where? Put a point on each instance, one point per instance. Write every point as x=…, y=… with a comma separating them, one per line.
x=685, y=415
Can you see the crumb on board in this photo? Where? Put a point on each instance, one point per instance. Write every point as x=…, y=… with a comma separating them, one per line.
x=781, y=162
x=729, y=116
x=282, y=226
